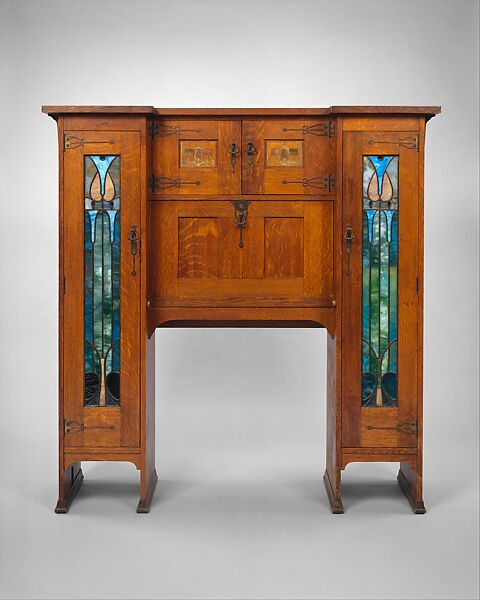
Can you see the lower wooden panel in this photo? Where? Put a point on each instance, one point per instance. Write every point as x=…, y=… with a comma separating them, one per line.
x=402, y=455
x=115, y=455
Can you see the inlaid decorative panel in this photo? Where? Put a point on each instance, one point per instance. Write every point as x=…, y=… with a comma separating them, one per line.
x=284, y=153
x=380, y=281
x=102, y=280
x=198, y=153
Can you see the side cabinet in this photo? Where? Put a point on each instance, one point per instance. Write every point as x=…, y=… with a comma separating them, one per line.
x=382, y=283
x=103, y=348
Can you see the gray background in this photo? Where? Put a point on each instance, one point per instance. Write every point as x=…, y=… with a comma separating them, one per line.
x=240, y=510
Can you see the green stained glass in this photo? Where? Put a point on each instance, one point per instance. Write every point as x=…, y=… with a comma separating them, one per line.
x=102, y=280
x=379, y=281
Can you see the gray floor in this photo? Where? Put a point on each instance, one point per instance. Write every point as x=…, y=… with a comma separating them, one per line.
x=240, y=510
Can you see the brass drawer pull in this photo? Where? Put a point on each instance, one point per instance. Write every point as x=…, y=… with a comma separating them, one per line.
x=134, y=239
x=241, y=213
x=349, y=236
x=234, y=151
x=251, y=151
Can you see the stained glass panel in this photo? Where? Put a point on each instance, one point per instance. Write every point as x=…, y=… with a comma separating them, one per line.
x=102, y=280
x=379, y=281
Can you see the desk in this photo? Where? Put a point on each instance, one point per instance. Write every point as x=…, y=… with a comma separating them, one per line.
x=241, y=217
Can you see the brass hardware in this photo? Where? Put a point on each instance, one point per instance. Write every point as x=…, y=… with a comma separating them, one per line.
x=134, y=239
x=234, y=151
x=74, y=426
x=163, y=130
x=411, y=141
x=167, y=182
x=349, y=236
x=241, y=214
x=251, y=151
x=71, y=141
x=318, y=129
x=322, y=182
x=406, y=428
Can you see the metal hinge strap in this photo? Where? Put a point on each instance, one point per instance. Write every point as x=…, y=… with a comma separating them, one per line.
x=168, y=182
x=71, y=141
x=322, y=182
x=407, y=428
x=319, y=129
x=74, y=426
x=163, y=130
x=410, y=141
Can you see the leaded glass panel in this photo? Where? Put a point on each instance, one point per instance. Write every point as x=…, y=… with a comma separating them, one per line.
x=102, y=280
x=380, y=281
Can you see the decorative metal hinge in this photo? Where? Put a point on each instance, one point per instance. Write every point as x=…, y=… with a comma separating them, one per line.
x=322, y=182
x=71, y=141
x=319, y=129
x=74, y=426
x=410, y=141
x=407, y=428
x=163, y=183
x=159, y=129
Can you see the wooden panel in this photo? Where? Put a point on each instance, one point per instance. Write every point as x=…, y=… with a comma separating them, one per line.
x=97, y=421
x=127, y=433
x=355, y=420
x=283, y=247
x=197, y=247
x=241, y=263
x=196, y=259
x=263, y=172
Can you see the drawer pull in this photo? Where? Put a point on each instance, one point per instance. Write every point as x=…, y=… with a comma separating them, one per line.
x=134, y=239
x=234, y=151
x=241, y=213
x=349, y=236
x=251, y=151
x=407, y=428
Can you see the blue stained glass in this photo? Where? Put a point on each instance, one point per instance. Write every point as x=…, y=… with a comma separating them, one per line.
x=379, y=281
x=102, y=280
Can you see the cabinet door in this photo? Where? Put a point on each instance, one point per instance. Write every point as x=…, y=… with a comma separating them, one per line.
x=201, y=257
x=380, y=297
x=197, y=157
x=101, y=303
x=288, y=157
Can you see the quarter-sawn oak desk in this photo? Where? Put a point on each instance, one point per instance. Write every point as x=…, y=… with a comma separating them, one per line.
x=238, y=218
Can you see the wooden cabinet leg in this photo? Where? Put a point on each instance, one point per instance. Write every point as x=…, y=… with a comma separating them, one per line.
x=410, y=482
x=70, y=481
x=334, y=496
x=148, y=483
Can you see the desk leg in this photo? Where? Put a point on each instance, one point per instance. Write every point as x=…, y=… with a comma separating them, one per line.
x=70, y=481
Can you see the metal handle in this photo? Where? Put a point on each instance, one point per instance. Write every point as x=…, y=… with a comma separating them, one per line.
x=251, y=151
x=240, y=208
x=234, y=151
x=349, y=236
x=406, y=428
x=134, y=246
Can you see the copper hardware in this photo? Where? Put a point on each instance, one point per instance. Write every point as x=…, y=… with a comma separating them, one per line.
x=163, y=130
x=72, y=141
x=323, y=182
x=319, y=129
x=349, y=236
x=411, y=141
x=234, y=151
x=168, y=182
x=407, y=428
x=241, y=214
x=134, y=239
x=74, y=426
x=251, y=151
